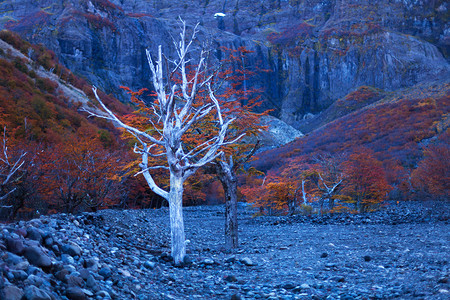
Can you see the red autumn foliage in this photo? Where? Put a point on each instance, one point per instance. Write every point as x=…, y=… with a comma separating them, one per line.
x=291, y=35
x=291, y=38
x=139, y=15
x=392, y=129
x=431, y=178
x=99, y=22
x=60, y=143
x=366, y=185
x=81, y=174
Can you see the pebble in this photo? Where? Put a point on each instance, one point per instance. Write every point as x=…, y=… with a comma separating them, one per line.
x=247, y=261
x=88, y=261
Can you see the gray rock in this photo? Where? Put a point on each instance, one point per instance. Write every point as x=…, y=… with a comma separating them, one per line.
x=20, y=275
x=187, y=260
x=73, y=280
x=230, y=278
x=67, y=259
x=34, y=280
x=288, y=286
x=208, y=261
x=149, y=265
x=72, y=249
x=37, y=257
x=84, y=273
x=62, y=275
x=12, y=258
x=90, y=282
x=305, y=286
x=48, y=242
x=247, y=261
x=15, y=245
x=34, y=234
x=11, y=292
x=92, y=264
x=23, y=265
x=230, y=259
x=34, y=293
x=236, y=297
x=105, y=272
x=75, y=293
x=103, y=294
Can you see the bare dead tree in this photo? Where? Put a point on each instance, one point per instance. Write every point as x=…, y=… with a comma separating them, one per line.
x=8, y=169
x=330, y=178
x=178, y=110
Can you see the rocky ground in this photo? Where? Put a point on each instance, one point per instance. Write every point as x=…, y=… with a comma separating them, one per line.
x=402, y=253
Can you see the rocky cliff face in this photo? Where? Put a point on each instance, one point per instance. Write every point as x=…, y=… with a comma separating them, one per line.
x=316, y=51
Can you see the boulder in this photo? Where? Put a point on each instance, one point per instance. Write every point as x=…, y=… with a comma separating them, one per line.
x=37, y=257
x=72, y=249
x=11, y=292
x=34, y=234
x=34, y=293
x=15, y=245
x=75, y=293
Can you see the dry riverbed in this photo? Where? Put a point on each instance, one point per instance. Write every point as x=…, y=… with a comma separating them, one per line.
x=401, y=253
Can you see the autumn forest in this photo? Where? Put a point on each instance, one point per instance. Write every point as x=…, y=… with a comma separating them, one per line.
x=387, y=146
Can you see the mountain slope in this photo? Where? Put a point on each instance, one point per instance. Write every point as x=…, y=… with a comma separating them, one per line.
x=316, y=51
x=396, y=128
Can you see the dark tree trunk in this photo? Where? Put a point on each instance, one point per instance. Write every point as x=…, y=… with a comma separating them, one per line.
x=229, y=182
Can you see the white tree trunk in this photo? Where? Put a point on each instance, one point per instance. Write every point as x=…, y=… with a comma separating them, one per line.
x=176, y=219
x=177, y=111
x=305, y=201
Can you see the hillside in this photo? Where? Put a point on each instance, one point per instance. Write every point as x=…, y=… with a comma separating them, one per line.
x=59, y=148
x=398, y=128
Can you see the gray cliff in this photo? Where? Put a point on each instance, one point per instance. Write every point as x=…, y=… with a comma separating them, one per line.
x=316, y=52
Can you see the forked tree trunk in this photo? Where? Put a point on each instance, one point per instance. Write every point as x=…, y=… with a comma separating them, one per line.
x=176, y=219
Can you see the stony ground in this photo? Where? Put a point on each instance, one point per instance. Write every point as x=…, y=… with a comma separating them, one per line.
x=401, y=253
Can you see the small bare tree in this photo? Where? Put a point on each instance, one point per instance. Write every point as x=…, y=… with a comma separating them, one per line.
x=179, y=107
x=330, y=177
x=8, y=169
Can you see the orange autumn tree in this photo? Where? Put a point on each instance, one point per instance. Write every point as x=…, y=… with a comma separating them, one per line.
x=235, y=101
x=431, y=178
x=182, y=100
x=281, y=191
x=268, y=192
x=81, y=173
x=366, y=184
x=239, y=102
x=144, y=119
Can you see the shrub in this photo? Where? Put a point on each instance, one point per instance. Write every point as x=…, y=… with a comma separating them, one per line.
x=46, y=85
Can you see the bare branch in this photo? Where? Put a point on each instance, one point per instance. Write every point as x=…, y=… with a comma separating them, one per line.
x=113, y=118
x=151, y=168
x=6, y=196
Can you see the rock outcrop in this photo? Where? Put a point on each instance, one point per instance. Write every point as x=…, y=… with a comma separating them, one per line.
x=316, y=51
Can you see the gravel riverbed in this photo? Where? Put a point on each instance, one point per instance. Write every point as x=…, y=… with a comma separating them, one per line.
x=401, y=252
